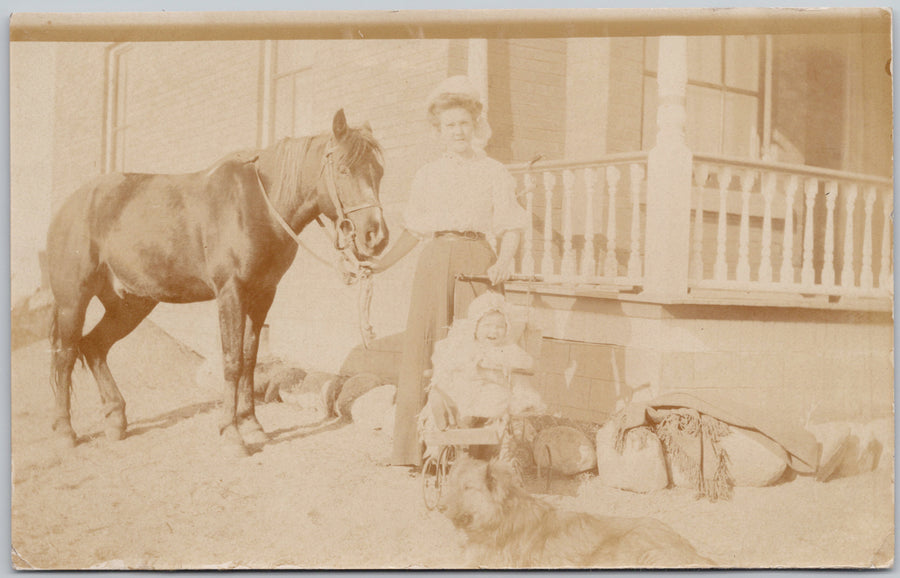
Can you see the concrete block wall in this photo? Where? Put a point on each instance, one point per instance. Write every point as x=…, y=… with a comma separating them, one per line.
x=815, y=365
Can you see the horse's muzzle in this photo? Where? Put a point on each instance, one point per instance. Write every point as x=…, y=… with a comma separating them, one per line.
x=373, y=240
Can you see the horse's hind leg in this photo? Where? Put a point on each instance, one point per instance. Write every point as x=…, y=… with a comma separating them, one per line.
x=122, y=315
x=65, y=335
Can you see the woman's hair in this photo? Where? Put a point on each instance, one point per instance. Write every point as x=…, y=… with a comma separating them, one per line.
x=447, y=101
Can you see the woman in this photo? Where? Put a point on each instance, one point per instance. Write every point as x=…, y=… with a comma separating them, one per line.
x=455, y=202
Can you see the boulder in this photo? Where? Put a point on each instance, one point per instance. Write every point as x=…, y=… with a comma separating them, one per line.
x=371, y=408
x=639, y=467
x=352, y=389
x=566, y=450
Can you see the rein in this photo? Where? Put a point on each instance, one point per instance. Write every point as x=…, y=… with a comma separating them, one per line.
x=347, y=265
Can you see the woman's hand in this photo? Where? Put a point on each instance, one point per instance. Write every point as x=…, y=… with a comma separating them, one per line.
x=499, y=272
x=405, y=243
x=502, y=270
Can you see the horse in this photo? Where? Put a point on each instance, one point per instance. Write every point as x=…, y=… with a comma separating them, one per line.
x=227, y=233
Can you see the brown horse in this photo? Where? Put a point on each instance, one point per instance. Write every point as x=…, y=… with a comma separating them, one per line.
x=134, y=240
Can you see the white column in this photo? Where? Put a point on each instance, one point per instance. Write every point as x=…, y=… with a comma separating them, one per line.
x=611, y=263
x=478, y=68
x=669, y=170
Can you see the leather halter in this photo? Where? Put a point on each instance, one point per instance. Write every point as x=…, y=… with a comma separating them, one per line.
x=341, y=223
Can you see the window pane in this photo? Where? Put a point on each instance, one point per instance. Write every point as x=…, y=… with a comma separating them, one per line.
x=284, y=119
x=742, y=62
x=303, y=110
x=741, y=125
x=704, y=56
x=704, y=119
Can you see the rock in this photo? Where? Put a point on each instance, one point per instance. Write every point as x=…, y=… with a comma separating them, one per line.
x=352, y=389
x=570, y=450
x=640, y=467
x=754, y=461
x=307, y=394
x=369, y=409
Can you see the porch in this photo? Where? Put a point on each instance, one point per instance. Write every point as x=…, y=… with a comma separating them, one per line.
x=665, y=270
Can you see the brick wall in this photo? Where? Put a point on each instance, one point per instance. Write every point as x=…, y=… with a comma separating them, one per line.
x=79, y=114
x=527, y=87
x=189, y=103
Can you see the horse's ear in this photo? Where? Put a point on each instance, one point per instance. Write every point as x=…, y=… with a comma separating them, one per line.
x=368, y=127
x=339, y=125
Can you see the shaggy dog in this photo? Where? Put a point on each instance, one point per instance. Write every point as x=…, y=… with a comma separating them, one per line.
x=507, y=527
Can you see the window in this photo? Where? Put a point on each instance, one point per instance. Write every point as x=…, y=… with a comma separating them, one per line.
x=116, y=121
x=725, y=94
x=293, y=89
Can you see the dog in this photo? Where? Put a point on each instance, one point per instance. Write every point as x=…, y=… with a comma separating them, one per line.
x=509, y=528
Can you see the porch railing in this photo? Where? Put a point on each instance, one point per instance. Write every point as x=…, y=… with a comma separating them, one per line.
x=790, y=228
x=588, y=221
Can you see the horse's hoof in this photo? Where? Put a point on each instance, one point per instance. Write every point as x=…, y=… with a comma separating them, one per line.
x=233, y=444
x=115, y=427
x=63, y=435
x=252, y=433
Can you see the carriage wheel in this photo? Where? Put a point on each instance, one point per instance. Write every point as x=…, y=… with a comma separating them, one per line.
x=445, y=460
x=431, y=488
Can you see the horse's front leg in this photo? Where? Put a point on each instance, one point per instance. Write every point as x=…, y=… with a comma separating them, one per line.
x=232, y=321
x=248, y=426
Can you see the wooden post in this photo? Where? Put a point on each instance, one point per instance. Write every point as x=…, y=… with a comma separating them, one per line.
x=669, y=175
x=528, y=241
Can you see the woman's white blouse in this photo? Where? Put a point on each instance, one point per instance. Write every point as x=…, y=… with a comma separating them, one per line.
x=456, y=194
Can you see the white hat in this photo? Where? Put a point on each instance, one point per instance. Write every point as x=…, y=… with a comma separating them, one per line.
x=487, y=302
x=459, y=84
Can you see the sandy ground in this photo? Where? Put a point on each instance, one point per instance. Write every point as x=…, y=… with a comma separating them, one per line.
x=319, y=494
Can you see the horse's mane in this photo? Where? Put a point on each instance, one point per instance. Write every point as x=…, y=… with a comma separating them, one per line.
x=292, y=157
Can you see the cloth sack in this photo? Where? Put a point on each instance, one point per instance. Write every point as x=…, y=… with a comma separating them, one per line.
x=633, y=461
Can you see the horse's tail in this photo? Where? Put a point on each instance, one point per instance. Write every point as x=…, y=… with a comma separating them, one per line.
x=56, y=346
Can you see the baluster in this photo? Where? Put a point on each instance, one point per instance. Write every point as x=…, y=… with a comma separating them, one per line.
x=848, y=277
x=528, y=241
x=634, y=260
x=807, y=273
x=769, y=182
x=611, y=265
x=743, y=265
x=831, y=193
x=701, y=175
x=588, y=267
x=885, y=277
x=721, y=269
x=547, y=258
x=567, y=268
x=865, y=277
x=787, y=250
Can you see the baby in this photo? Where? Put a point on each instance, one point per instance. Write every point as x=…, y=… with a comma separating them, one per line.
x=475, y=364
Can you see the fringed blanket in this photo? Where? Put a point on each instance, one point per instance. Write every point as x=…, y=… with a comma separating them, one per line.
x=690, y=427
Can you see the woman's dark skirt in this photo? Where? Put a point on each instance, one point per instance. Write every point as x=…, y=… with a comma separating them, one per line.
x=436, y=298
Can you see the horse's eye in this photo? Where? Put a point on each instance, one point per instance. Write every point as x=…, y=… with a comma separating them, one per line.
x=344, y=170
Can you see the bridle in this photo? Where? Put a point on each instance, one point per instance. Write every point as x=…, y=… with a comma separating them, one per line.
x=344, y=228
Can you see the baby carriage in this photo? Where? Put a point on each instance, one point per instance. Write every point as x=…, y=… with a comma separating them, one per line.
x=448, y=435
